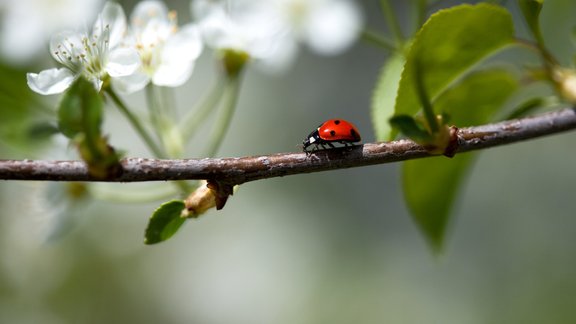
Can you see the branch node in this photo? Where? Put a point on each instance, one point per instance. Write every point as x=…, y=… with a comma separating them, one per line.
x=453, y=142
x=222, y=191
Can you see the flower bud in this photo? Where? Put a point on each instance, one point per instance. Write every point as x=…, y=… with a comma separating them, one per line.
x=566, y=83
x=199, y=201
x=234, y=61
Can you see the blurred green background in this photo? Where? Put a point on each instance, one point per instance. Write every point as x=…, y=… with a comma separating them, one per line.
x=332, y=247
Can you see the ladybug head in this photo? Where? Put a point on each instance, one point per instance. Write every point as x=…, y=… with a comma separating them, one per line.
x=311, y=139
x=307, y=142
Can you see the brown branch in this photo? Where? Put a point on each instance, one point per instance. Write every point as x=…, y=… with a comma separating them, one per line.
x=243, y=169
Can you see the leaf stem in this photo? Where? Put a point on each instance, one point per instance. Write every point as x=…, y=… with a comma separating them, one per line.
x=393, y=23
x=547, y=57
x=375, y=38
x=196, y=116
x=424, y=99
x=156, y=150
x=232, y=90
x=163, y=114
x=168, y=103
x=135, y=121
x=153, y=108
x=420, y=14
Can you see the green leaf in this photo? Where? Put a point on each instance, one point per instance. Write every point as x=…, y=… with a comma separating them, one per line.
x=531, y=11
x=165, y=221
x=80, y=110
x=446, y=48
x=42, y=130
x=384, y=96
x=449, y=44
x=410, y=127
x=557, y=28
x=431, y=186
x=478, y=97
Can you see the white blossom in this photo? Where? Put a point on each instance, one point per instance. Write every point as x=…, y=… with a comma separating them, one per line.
x=95, y=56
x=244, y=26
x=270, y=30
x=167, y=53
x=326, y=26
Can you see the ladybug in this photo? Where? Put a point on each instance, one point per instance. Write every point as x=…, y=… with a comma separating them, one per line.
x=332, y=131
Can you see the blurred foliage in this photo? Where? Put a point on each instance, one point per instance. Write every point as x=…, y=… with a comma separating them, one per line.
x=25, y=123
x=531, y=10
x=384, y=95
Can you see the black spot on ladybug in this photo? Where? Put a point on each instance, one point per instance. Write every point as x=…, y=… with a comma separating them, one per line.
x=337, y=122
x=353, y=133
x=332, y=132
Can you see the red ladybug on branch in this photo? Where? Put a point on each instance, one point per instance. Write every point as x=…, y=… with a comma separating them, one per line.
x=332, y=131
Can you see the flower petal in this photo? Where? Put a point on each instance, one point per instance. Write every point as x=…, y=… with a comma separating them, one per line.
x=112, y=17
x=333, y=26
x=254, y=27
x=147, y=14
x=51, y=81
x=96, y=82
x=65, y=45
x=172, y=75
x=177, y=57
x=122, y=62
x=214, y=24
x=183, y=46
x=278, y=59
x=131, y=83
x=152, y=23
x=203, y=8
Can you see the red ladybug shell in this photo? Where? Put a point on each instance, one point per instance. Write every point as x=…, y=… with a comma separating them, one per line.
x=332, y=131
x=335, y=130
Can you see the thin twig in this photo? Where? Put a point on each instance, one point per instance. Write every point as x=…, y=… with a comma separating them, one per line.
x=244, y=169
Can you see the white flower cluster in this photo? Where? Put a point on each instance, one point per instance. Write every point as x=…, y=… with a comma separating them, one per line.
x=153, y=48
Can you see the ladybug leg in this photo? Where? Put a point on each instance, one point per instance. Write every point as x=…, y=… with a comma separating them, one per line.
x=330, y=145
x=317, y=146
x=310, y=151
x=347, y=145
